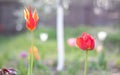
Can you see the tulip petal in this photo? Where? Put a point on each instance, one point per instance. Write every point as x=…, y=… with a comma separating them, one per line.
x=26, y=14
x=35, y=15
x=78, y=42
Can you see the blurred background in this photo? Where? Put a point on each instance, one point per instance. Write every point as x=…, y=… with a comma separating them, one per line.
x=100, y=18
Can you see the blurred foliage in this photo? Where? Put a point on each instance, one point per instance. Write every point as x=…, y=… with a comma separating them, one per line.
x=4, y=57
x=114, y=39
x=102, y=62
x=118, y=63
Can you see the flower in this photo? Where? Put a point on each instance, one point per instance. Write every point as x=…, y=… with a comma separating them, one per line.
x=23, y=54
x=35, y=53
x=6, y=71
x=71, y=41
x=102, y=35
x=31, y=18
x=85, y=42
x=43, y=37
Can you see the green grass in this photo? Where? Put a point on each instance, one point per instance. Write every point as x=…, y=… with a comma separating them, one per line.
x=11, y=46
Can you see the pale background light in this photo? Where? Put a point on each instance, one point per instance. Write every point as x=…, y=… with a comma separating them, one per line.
x=43, y=37
x=102, y=35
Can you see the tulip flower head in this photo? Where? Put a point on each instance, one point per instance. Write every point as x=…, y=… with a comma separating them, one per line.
x=31, y=18
x=85, y=42
x=35, y=53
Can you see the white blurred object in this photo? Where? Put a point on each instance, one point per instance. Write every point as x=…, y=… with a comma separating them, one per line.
x=102, y=35
x=103, y=4
x=97, y=11
x=49, y=1
x=43, y=37
x=60, y=36
x=66, y=4
x=47, y=9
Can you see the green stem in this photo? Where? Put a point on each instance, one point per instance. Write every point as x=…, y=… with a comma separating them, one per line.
x=31, y=55
x=29, y=65
x=85, y=66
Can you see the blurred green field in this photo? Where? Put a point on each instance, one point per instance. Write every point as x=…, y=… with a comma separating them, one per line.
x=12, y=46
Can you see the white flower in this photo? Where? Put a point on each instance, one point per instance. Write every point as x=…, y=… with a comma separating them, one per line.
x=43, y=37
x=102, y=35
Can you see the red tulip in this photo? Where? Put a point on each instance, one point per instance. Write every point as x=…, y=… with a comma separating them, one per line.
x=85, y=42
x=31, y=18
